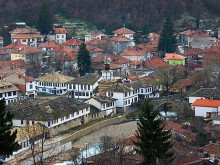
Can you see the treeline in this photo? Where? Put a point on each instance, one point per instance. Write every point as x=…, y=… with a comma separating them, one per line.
x=108, y=14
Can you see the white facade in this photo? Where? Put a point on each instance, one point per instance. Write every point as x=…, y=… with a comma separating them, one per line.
x=205, y=111
x=9, y=96
x=103, y=106
x=89, y=37
x=31, y=89
x=107, y=75
x=60, y=38
x=193, y=99
x=53, y=123
x=124, y=99
x=82, y=91
x=29, y=41
x=130, y=36
x=52, y=88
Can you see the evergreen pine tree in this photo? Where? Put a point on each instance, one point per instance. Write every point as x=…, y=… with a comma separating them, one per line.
x=167, y=42
x=198, y=21
x=45, y=19
x=153, y=143
x=84, y=60
x=7, y=138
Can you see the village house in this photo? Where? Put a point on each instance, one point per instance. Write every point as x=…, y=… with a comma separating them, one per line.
x=1, y=42
x=48, y=46
x=206, y=108
x=59, y=114
x=124, y=94
x=204, y=93
x=106, y=105
x=27, y=36
x=94, y=51
x=8, y=91
x=124, y=32
x=73, y=43
x=149, y=48
x=174, y=59
x=58, y=35
x=193, y=56
x=54, y=83
x=96, y=42
x=133, y=53
x=84, y=87
x=4, y=55
x=95, y=34
x=14, y=46
x=155, y=63
x=120, y=43
x=211, y=62
x=26, y=85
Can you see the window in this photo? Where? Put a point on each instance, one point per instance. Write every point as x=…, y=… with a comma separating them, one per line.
x=31, y=86
x=88, y=87
x=62, y=36
x=77, y=112
x=32, y=122
x=57, y=36
x=9, y=93
x=125, y=94
x=22, y=122
x=0, y=95
x=142, y=91
x=14, y=93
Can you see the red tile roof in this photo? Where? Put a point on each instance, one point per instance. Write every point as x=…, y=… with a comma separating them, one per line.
x=27, y=36
x=49, y=44
x=149, y=47
x=187, y=159
x=28, y=79
x=193, y=51
x=63, y=48
x=67, y=57
x=92, y=49
x=212, y=56
x=114, y=59
x=212, y=149
x=199, y=34
x=207, y=103
x=29, y=50
x=73, y=42
x=123, y=31
x=95, y=33
x=156, y=63
x=3, y=52
x=21, y=87
x=189, y=135
x=133, y=51
x=188, y=32
x=14, y=63
x=120, y=38
x=95, y=41
x=101, y=66
x=211, y=49
x=60, y=31
x=173, y=56
x=186, y=82
x=23, y=31
x=136, y=62
x=153, y=36
x=15, y=45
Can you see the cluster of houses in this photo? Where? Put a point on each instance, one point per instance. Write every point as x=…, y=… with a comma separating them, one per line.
x=123, y=74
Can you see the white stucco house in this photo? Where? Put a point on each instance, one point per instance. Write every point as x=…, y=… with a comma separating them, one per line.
x=8, y=91
x=58, y=35
x=84, y=87
x=106, y=105
x=206, y=108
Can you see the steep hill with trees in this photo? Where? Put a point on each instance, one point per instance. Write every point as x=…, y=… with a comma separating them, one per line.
x=110, y=14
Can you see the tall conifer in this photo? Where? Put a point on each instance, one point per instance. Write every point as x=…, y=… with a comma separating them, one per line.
x=153, y=143
x=84, y=60
x=7, y=138
x=167, y=42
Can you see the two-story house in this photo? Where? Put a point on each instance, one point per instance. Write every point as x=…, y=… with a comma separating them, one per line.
x=125, y=32
x=26, y=85
x=73, y=43
x=8, y=91
x=84, y=87
x=54, y=83
x=59, y=114
x=134, y=53
x=58, y=35
x=95, y=34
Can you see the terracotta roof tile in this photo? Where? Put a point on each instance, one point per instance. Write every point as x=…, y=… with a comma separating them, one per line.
x=29, y=50
x=123, y=31
x=63, y=48
x=67, y=57
x=213, y=56
x=60, y=31
x=186, y=82
x=29, y=36
x=207, y=103
x=49, y=44
x=156, y=63
x=132, y=51
x=187, y=32
x=120, y=38
x=173, y=56
x=193, y=51
x=95, y=41
x=93, y=49
x=73, y=42
x=136, y=62
x=15, y=45
x=23, y=31
x=13, y=63
x=95, y=33
x=3, y=52
x=28, y=79
x=114, y=59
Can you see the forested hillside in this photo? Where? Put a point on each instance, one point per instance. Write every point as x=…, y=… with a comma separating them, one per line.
x=110, y=14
